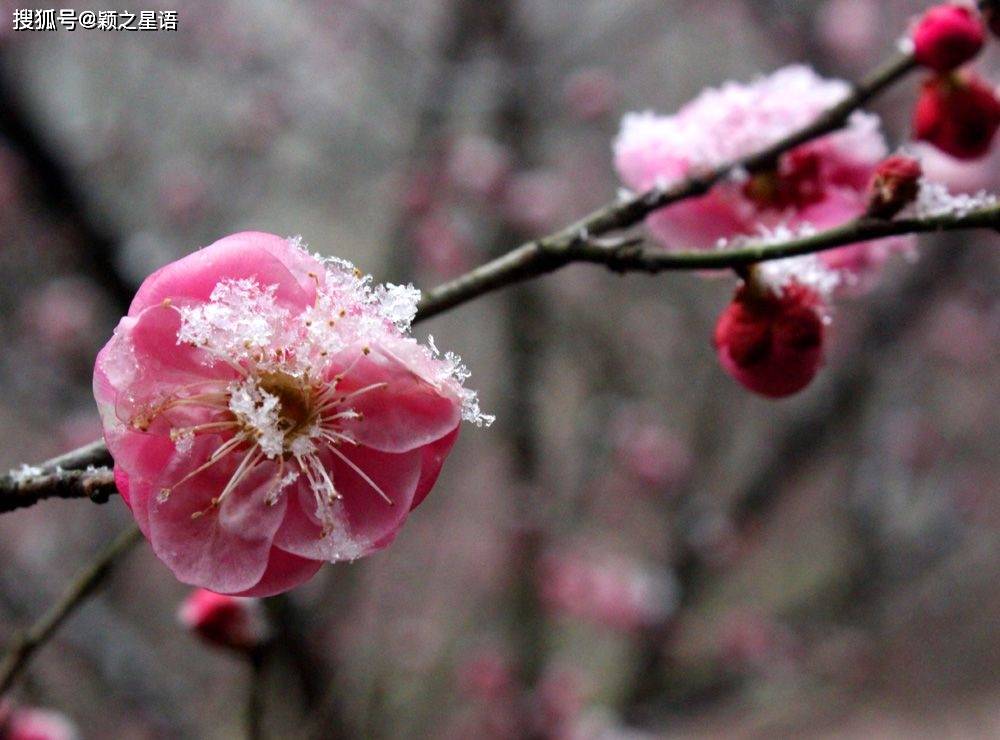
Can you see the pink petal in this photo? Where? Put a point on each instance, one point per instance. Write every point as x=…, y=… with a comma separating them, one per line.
x=700, y=222
x=121, y=483
x=407, y=413
x=226, y=549
x=284, y=571
x=139, y=458
x=144, y=363
x=366, y=520
x=433, y=458
x=264, y=257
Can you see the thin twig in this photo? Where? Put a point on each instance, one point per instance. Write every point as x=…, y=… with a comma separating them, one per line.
x=255, y=695
x=28, y=487
x=538, y=258
x=25, y=645
x=81, y=473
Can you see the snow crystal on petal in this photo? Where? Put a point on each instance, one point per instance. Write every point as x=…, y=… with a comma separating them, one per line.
x=240, y=319
x=397, y=303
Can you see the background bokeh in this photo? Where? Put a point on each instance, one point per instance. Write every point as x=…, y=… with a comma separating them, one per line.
x=638, y=545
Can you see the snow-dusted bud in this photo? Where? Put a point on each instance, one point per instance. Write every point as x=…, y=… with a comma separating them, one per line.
x=894, y=185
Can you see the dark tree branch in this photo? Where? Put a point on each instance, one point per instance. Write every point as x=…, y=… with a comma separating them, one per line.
x=546, y=255
x=56, y=189
x=25, y=645
x=27, y=487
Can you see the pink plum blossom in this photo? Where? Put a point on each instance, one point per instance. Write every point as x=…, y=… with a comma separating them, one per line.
x=818, y=184
x=267, y=411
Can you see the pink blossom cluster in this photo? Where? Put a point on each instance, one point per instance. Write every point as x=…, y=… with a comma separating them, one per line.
x=818, y=184
x=772, y=336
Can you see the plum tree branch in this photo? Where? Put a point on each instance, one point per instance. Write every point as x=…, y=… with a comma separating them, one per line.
x=82, y=473
x=543, y=256
x=25, y=645
x=533, y=258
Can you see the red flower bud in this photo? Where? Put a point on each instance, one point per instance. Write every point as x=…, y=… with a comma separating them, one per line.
x=227, y=621
x=893, y=186
x=947, y=36
x=958, y=115
x=771, y=343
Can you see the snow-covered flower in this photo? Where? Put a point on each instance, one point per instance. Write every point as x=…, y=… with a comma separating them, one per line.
x=819, y=184
x=267, y=411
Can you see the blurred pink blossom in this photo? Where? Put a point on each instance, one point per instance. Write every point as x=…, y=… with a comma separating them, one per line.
x=478, y=165
x=816, y=185
x=64, y=314
x=182, y=195
x=849, y=29
x=559, y=700
x=535, y=200
x=442, y=244
x=590, y=93
x=611, y=592
x=958, y=332
x=485, y=674
x=226, y=621
x=648, y=450
x=751, y=640
x=30, y=723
